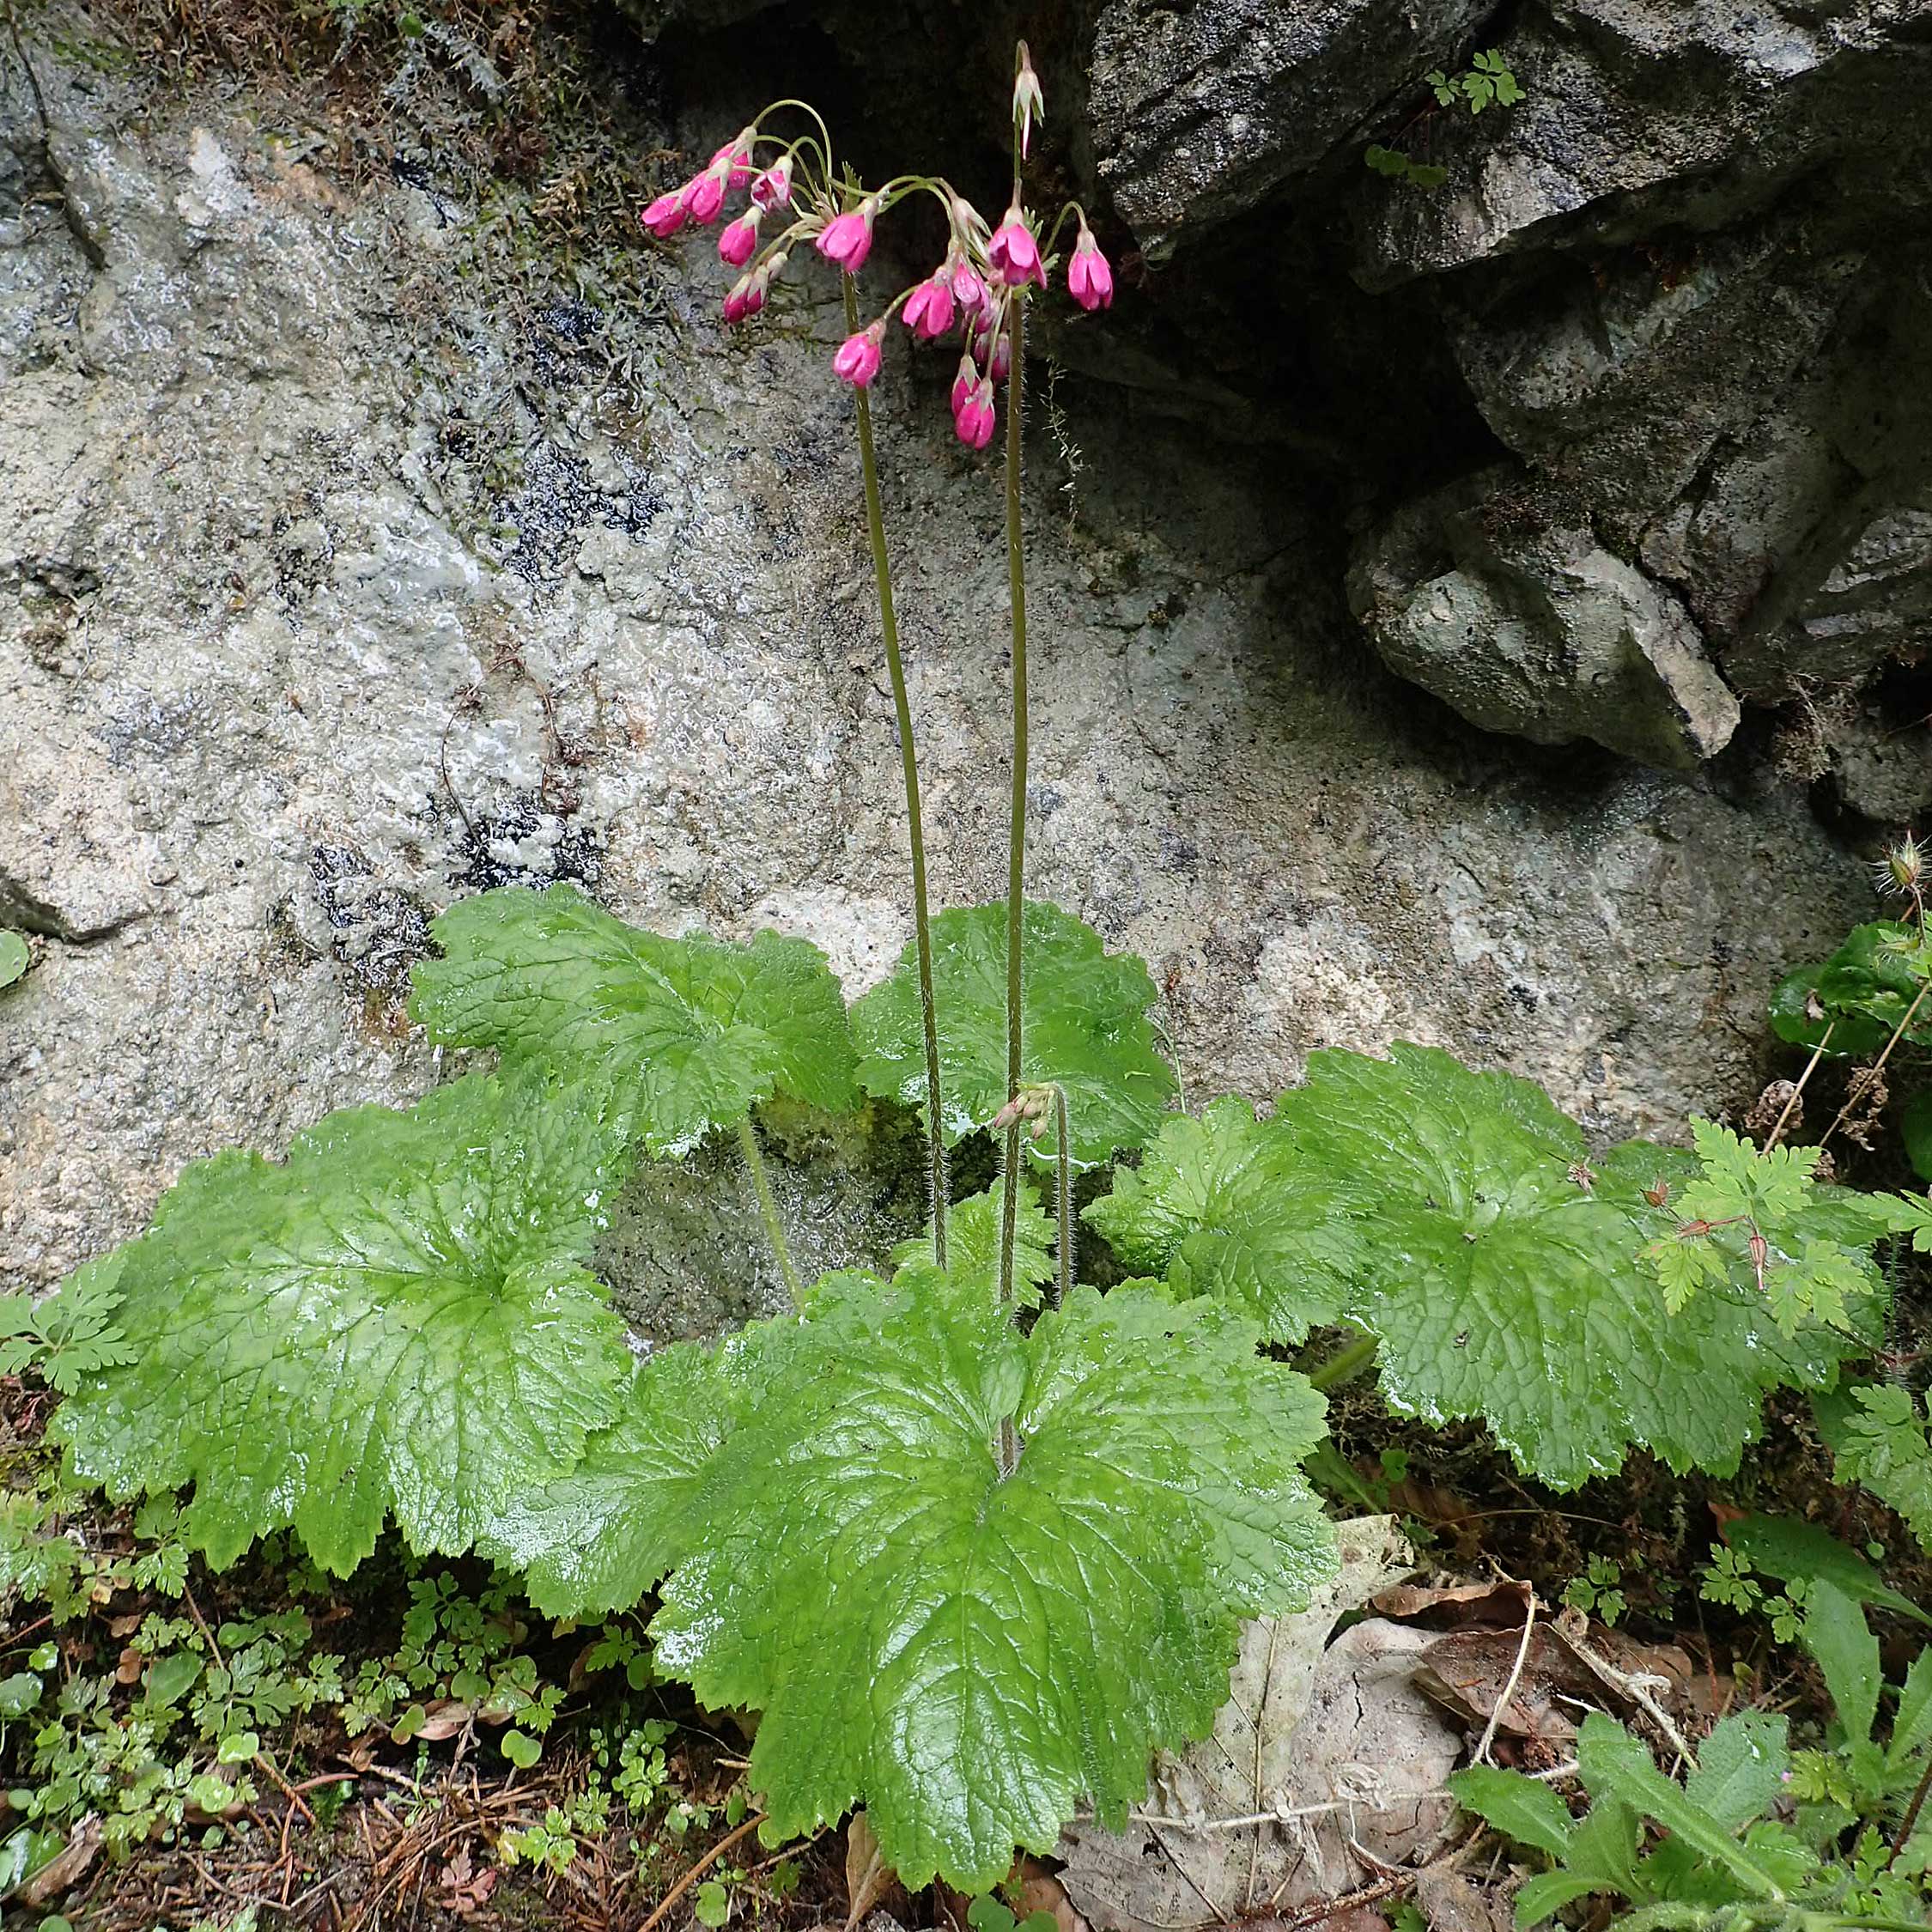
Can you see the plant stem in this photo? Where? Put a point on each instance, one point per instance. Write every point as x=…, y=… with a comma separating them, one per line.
x=1016, y=846
x=1066, y=1255
x=1344, y=1365
x=1861, y=1083
x=909, y=763
x=768, y=1207
x=1910, y=1822
x=1797, y=1092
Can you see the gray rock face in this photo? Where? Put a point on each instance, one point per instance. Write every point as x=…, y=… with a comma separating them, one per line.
x=1538, y=630
x=366, y=563
x=1198, y=111
x=1685, y=280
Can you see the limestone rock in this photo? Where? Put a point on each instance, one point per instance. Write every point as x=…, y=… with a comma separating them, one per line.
x=1537, y=629
x=1201, y=111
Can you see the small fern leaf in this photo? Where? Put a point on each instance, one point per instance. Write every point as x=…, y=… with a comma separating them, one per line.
x=688, y=1034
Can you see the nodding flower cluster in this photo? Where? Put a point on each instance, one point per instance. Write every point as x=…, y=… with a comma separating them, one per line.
x=973, y=290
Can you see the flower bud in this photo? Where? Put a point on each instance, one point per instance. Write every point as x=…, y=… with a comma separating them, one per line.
x=1029, y=104
x=704, y=195
x=968, y=290
x=964, y=383
x=1089, y=279
x=740, y=241
x=928, y=311
x=858, y=359
x=847, y=239
x=666, y=215
x=974, y=420
x=1013, y=252
x=734, y=159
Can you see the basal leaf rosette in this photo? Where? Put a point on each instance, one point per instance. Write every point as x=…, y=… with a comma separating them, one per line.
x=394, y=1321
x=966, y=1654
x=1499, y=1268
x=688, y=1034
x=1083, y=1027
x=1226, y=1206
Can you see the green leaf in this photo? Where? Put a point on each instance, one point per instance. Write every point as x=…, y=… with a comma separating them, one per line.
x=171, y=1677
x=1520, y=1807
x=1862, y=993
x=394, y=1321
x=1226, y=1207
x=973, y=1245
x=1836, y=1634
x=521, y=1749
x=1888, y=1447
x=18, y=1693
x=1501, y=1272
x=1614, y=1761
x=1386, y=161
x=1913, y=1725
x=1601, y=1857
x=1738, y=1179
x=688, y=1034
x=1915, y=1130
x=967, y=1653
x=1427, y=174
x=1796, y=1552
x=1083, y=1027
x=713, y=1904
x=600, y=1537
x=1741, y=1767
x=14, y=957
x=239, y=1747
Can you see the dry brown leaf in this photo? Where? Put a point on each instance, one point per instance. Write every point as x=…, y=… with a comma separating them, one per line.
x=463, y=1890
x=1451, y=1903
x=1456, y=1606
x=1337, y=1734
x=123, y=1626
x=1040, y=1892
x=866, y=1873
x=132, y=1663
x=444, y=1719
x=66, y=1868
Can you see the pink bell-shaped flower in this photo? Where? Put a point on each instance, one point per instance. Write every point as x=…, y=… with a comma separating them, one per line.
x=666, y=215
x=773, y=189
x=858, y=359
x=974, y=419
x=740, y=241
x=1089, y=279
x=928, y=311
x=847, y=239
x=1013, y=252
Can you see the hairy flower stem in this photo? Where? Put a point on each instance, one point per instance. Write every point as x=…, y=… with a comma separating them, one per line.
x=1344, y=1365
x=768, y=1208
x=909, y=762
x=1861, y=1083
x=1066, y=1255
x=1016, y=861
x=1797, y=1092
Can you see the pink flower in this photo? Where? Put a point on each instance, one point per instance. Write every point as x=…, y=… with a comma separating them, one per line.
x=704, y=195
x=773, y=189
x=857, y=360
x=1013, y=252
x=665, y=215
x=1002, y=357
x=740, y=239
x=1089, y=279
x=964, y=383
x=968, y=290
x=747, y=297
x=928, y=311
x=974, y=418
x=734, y=158
x=847, y=239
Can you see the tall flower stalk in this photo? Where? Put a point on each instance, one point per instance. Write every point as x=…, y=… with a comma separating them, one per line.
x=980, y=289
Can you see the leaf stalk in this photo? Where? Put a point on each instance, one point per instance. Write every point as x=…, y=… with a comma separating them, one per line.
x=768, y=1209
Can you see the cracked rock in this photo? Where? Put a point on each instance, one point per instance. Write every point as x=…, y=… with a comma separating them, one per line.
x=1530, y=626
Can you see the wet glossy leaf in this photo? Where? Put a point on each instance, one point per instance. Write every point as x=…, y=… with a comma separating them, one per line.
x=1862, y=993
x=688, y=1034
x=14, y=957
x=1500, y=1270
x=967, y=1654
x=1083, y=1014
x=393, y=1321
x=1224, y=1205
x=1887, y=1445
x=973, y=1244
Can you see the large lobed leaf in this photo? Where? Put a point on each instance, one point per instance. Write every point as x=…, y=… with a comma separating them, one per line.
x=1083, y=1027
x=393, y=1320
x=1224, y=1205
x=688, y=1033
x=1498, y=1269
x=965, y=1653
